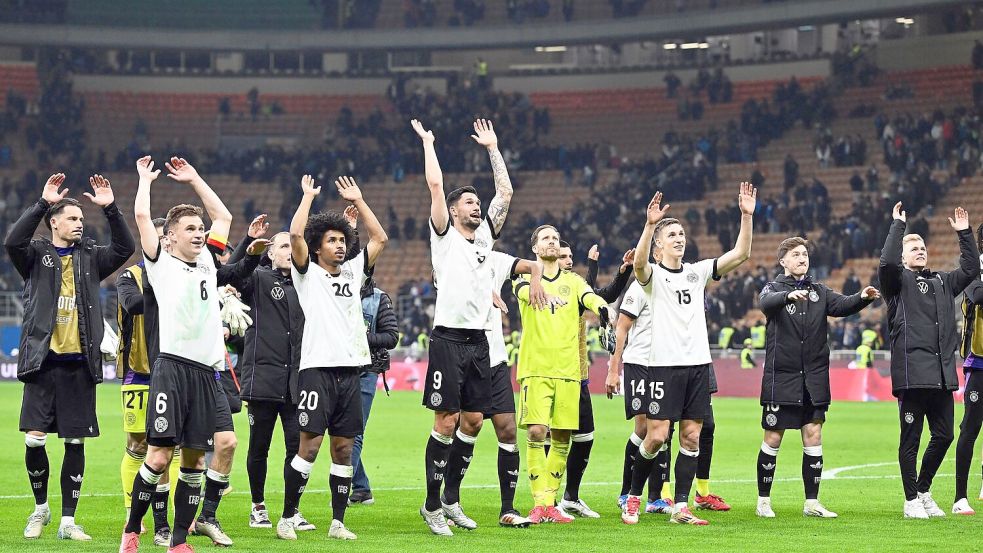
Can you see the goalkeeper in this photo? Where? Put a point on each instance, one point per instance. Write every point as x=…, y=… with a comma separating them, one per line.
x=549, y=372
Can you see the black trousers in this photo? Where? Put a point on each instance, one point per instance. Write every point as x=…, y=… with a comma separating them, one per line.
x=914, y=407
x=262, y=420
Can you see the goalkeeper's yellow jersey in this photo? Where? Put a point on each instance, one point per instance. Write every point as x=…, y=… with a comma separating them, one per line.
x=550, y=345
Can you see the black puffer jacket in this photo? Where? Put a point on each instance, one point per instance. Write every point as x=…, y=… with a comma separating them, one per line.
x=37, y=262
x=921, y=314
x=797, y=339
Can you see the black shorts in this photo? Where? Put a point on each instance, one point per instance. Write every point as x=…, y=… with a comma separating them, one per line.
x=184, y=405
x=223, y=409
x=230, y=385
x=788, y=417
x=502, y=396
x=586, y=411
x=330, y=402
x=667, y=393
x=459, y=375
x=61, y=398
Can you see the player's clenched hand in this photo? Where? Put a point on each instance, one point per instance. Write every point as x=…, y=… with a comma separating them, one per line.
x=348, y=189
x=499, y=303
x=50, y=193
x=613, y=382
x=870, y=293
x=425, y=135
x=798, y=295
x=145, y=168
x=307, y=185
x=258, y=227
x=258, y=246
x=961, y=221
x=593, y=254
x=654, y=213
x=898, y=213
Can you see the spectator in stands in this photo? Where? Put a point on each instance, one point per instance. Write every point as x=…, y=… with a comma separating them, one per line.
x=977, y=57
x=790, y=171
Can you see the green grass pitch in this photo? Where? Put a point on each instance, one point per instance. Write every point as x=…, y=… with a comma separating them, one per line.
x=861, y=484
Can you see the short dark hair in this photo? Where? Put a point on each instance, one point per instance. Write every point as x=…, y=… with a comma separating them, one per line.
x=158, y=222
x=563, y=244
x=58, y=207
x=535, y=233
x=663, y=223
x=979, y=236
x=321, y=223
x=790, y=244
x=455, y=195
x=181, y=210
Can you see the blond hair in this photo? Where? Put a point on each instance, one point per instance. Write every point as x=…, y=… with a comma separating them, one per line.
x=911, y=238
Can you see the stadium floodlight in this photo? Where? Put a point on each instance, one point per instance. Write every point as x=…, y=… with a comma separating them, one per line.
x=669, y=46
x=694, y=45
x=551, y=48
x=905, y=21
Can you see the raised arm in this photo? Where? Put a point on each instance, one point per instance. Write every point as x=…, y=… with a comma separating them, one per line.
x=182, y=171
x=298, y=246
x=613, y=381
x=257, y=229
x=889, y=269
x=149, y=242
x=439, y=215
x=592, y=256
x=733, y=259
x=377, y=235
x=238, y=273
x=969, y=255
x=18, y=240
x=653, y=214
x=112, y=256
x=484, y=134
x=611, y=292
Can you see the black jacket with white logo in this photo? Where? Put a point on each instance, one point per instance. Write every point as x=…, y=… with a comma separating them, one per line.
x=797, y=339
x=921, y=314
x=38, y=263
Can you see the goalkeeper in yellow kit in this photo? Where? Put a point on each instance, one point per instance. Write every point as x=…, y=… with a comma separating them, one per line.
x=549, y=371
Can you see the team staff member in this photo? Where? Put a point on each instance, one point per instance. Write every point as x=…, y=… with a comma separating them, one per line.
x=269, y=366
x=795, y=382
x=59, y=361
x=922, y=322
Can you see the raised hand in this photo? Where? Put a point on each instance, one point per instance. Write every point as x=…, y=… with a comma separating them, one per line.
x=484, y=133
x=898, y=213
x=798, y=295
x=50, y=193
x=655, y=212
x=627, y=260
x=870, y=293
x=351, y=215
x=348, y=189
x=747, y=198
x=258, y=246
x=425, y=135
x=145, y=168
x=593, y=254
x=307, y=185
x=258, y=227
x=961, y=221
x=103, y=191
x=181, y=171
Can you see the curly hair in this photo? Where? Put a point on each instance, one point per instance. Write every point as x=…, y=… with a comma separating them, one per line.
x=321, y=223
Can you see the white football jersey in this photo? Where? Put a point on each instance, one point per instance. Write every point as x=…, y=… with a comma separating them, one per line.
x=334, y=328
x=503, y=266
x=190, y=324
x=679, y=322
x=462, y=276
x=639, y=341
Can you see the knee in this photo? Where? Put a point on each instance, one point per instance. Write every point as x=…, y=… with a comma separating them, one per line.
x=471, y=425
x=226, y=443
x=157, y=458
x=654, y=439
x=341, y=453
x=690, y=439
x=506, y=435
x=536, y=433
x=944, y=438
x=136, y=444
x=445, y=423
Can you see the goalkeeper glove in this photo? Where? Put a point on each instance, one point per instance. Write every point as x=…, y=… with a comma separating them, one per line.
x=234, y=312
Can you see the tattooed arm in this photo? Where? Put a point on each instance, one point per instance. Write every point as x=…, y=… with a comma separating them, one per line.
x=499, y=207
